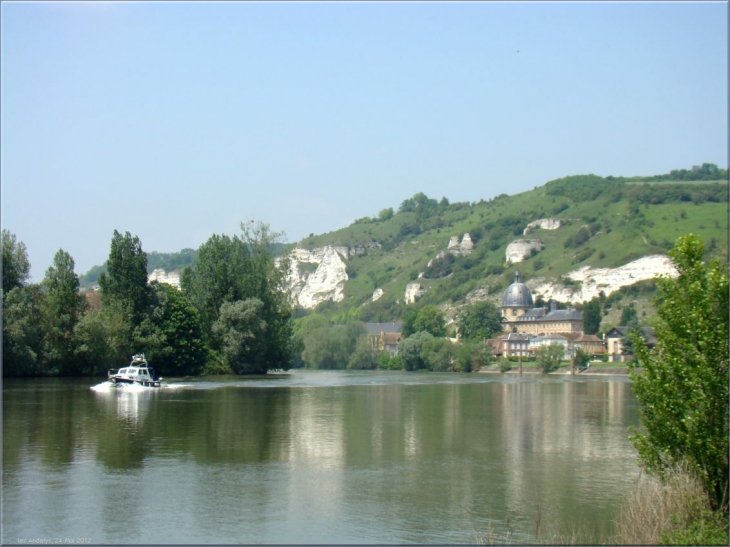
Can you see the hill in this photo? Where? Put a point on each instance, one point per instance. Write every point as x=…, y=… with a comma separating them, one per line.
x=437, y=252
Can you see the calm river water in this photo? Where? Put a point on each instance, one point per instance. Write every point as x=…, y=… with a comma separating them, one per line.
x=315, y=457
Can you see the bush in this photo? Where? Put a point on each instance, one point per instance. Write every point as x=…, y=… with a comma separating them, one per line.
x=504, y=364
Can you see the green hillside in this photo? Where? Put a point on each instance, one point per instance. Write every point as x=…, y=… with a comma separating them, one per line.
x=608, y=222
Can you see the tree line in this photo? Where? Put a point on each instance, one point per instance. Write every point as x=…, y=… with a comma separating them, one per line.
x=233, y=314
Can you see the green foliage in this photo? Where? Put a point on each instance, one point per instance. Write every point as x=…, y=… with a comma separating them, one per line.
x=581, y=358
x=177, y=347
x=364, y=357
x=504, y=365
x=332, y=347
x=22, y=335
x=439, y=355
x=548, y=357
x=430, y=319
x=390, y=362
x=126, y=282
x=61, y=310
x=480, y=320
x=629, y=315
x=472, y=356
x=241, y=330
x=592, y=316
x=385, y=214
x=682, y=383
x=230, y=270
x=16, y=267
x=410, y=350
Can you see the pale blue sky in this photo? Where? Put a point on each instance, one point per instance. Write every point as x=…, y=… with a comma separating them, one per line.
x=175, y=121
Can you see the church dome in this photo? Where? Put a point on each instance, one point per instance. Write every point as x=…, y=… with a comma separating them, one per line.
x=517, y=295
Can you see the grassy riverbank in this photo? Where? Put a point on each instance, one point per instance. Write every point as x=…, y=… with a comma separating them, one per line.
x=675, y=511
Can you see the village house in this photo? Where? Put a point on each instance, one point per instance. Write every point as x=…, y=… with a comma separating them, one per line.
x=385, y=336
x=615, y=343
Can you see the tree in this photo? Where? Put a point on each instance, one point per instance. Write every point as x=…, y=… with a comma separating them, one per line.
x=16, y=267
x=63, y=306
x=332, y=347
x=410, y=349
x=472, y=356
x=176, y=338
x=364, y=357
x=242, y=268
x=480, y=320
x=682, y=383
x=548, y=357
x=430, y=319
x=126, y=281
x=592, y=317
x=241, y=330
x=22, y=336
x=439, y=355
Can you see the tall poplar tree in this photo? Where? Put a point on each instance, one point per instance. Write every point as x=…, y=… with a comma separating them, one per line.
x=62, y=309
x=126, y=281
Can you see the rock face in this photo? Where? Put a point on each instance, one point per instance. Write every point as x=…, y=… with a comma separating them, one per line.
x=326, y=282
x=413, y=291
x=377, y=293
x=521, y=248
x=543, y=224
x=159, y=275
x=595, y=280
x=464, y=248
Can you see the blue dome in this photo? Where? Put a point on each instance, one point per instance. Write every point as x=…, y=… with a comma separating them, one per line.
x=517, y=295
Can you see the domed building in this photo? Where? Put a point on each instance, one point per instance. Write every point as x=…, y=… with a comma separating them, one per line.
x=517, y=300
x=520, y=315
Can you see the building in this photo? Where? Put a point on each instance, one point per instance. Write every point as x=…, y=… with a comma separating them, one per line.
x=520, y=315
x=615, y=346
x=385, y=336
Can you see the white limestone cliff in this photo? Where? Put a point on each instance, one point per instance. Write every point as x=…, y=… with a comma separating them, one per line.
x=159, y=275
x=543, y=224
x=413, y=291
x=594, y=280
x=519, y=249
x=377, y=293
x=326, y=282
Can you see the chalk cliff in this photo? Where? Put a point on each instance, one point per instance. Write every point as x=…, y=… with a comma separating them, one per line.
x=325, y=282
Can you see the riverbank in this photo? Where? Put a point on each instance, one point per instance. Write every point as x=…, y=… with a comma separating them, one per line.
x=532, y=369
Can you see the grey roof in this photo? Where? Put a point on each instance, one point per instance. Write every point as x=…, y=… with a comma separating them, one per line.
x=564, y=315
x=377, y=328
x=517, y=295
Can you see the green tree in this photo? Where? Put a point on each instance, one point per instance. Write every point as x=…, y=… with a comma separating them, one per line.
x=480, y=320
x=430, y=319
x=364, y=356
x=241, y=329
x=682, y=383
x=176, y=346
x=16, y=267
x=331, y=347
x=126, y=280
x=409, y=350
x=548, y=357
x=472, y=356
x=592, y=317
x=385, y=214
x=22, y=336
x=440, y=355
x=63, y=306
x=242, y=268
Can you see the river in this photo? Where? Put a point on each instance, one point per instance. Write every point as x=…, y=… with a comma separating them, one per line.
x=323, y=457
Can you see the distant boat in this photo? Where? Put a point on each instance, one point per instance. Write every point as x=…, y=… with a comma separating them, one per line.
x=137, y=373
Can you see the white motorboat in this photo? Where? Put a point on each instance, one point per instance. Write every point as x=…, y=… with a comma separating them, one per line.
x=137, y=373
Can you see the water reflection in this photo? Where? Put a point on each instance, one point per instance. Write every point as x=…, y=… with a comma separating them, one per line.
x=310, y=459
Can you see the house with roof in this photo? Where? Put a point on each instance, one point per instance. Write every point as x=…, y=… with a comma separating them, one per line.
x=520, y=315
x=385, y=336
x=615, y=343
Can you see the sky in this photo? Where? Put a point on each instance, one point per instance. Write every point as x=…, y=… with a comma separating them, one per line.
x=177, y=121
